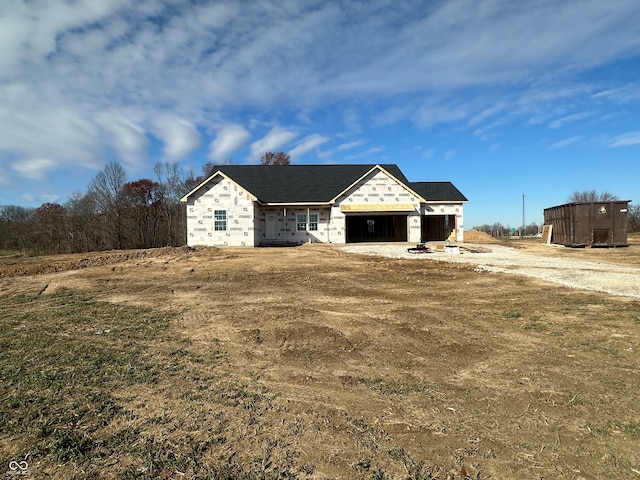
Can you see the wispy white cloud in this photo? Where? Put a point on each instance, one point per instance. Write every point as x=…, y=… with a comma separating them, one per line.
x=180, y=136
x=341, y=148
x=51, y=198
x=34, y=168
x=390, y=115
x=307, y=144
x=271, y=142
x=35, y=128
x=366, y=153
x=486, y=114
x=567, y=141
x=626, y=140
x=229, y=140
x=349, y=145
x=29, y=31
x=560, y=122
x=125, y=135
x=542, y=104
x=428, y=153
x=488, y=132
x=625, y=94
x=434, y=111
x=28, y=197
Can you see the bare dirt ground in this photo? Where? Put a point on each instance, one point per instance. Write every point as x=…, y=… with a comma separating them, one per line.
x=611, y=270
x=366, y=366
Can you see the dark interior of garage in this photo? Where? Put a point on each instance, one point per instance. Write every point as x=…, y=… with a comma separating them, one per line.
x=376, y=228
x=437, y=227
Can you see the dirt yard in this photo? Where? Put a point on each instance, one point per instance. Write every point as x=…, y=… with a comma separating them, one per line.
x=340, y=365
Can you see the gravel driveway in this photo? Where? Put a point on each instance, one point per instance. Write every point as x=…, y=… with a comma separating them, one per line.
x=601, y=277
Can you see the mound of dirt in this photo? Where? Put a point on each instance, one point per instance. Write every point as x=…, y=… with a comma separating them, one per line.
x=62, y=263
x=476, y=236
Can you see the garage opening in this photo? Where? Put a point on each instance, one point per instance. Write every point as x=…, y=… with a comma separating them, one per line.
x=376, y=228
x=436, y=228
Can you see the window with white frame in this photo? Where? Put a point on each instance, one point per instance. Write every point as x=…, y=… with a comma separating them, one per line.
x=220, y=220
x=307, y=222
x=301, y=222
x=313, y=222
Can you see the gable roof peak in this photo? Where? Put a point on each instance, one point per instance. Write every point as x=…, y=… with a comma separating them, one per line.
x=309, y=183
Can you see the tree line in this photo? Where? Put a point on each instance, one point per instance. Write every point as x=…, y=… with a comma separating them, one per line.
x=112, y=214
x=499, y=230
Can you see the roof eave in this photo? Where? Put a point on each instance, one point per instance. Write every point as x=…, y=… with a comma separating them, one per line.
x=251, y=196
x=296, y=204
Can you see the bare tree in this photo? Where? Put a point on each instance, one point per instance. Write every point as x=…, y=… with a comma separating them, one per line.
x=16, y=227
x=633, y=217
x=143, y=200
x=51, y=229
x=106, y=187
x=280, y=158
x=173, y=183
x=210, y=167
x=587, y=196
x=83, y=223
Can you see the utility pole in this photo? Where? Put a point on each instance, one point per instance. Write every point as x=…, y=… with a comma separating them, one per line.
x=522, y=215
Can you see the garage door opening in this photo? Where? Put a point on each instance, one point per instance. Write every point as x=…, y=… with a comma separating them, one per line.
x=436, y=228
x=376, y=228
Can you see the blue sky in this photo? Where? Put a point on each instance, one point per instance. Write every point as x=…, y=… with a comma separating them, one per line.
x=500, y=97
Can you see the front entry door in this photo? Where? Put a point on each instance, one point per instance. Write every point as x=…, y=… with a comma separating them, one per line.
x=271, y=230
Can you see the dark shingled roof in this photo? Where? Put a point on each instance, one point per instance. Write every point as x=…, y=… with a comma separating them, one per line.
x=300, y=183
x=288, y=184
x=438, y=191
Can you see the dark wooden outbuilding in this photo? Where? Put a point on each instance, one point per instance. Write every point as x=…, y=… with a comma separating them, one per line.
x=592, y=224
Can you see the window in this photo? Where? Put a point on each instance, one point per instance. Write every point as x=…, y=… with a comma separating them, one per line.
x=301, y=221
x=220, y=220
x=302, y=225
x=371, y=225
x=313, y=222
